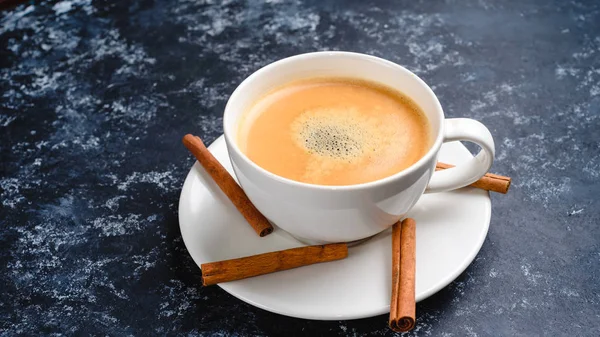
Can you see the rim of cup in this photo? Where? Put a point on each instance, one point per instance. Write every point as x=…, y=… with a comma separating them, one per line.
x=239, y=91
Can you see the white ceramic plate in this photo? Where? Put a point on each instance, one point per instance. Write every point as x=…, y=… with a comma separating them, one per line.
x=451, y=228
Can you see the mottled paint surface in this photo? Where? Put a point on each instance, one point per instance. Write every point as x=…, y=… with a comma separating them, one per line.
x=95, y=97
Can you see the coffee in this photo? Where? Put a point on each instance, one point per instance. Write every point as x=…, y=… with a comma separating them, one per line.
x=334, y=131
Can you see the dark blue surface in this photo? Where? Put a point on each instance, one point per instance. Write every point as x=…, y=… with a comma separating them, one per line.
x=95, y=97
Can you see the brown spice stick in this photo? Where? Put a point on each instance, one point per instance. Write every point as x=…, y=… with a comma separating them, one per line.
x=490, y=182
x=237, y=269
x=402, y=304
x=225, y=181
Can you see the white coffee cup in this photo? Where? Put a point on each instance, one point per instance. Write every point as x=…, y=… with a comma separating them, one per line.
x=325, y=214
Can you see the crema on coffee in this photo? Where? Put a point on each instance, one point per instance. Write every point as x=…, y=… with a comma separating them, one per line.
x=334, y=131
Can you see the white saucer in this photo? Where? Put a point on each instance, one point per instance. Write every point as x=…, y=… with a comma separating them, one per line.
x=451, y=228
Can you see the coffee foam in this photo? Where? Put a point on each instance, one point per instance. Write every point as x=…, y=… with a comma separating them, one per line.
x=326, y=133
x=339, y=136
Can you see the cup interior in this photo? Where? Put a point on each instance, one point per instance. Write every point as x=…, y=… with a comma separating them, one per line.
x=332, y=64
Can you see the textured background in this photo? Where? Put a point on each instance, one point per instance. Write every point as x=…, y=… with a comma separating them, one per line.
x=95, y=97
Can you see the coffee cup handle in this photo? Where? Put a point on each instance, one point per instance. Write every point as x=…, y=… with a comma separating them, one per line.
x=475, y=168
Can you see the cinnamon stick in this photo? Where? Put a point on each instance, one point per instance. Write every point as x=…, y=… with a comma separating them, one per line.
x=237, y=269
x=225, y=181
x=490, y=182
x=402, y=305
